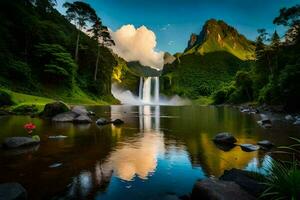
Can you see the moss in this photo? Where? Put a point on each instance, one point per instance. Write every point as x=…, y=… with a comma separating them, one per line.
x=5, y=99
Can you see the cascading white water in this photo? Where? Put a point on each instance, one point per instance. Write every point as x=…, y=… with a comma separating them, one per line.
x=156, y=90
x=146, y=94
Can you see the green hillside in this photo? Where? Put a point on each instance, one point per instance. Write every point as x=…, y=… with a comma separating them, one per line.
x=208, y=61
x=216, y=35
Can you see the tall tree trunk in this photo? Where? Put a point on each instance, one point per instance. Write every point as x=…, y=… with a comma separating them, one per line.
x=97, y=62
x=77, y=44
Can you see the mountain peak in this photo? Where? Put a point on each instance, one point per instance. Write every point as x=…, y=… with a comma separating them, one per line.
x=216, y=35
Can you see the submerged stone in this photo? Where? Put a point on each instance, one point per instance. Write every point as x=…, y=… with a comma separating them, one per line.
x=118, y=122
x=224, y=138
x=102, y=121
x=249, y=147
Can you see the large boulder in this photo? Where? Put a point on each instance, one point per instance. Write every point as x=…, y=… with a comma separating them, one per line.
x=213, y=189
x=244, y=180
x=249, y=147
x=12, y=191
x=16, y=142
x=224, y=138
x=65, y=117
x=54, y=108
x=80, y=110
x=82, y=119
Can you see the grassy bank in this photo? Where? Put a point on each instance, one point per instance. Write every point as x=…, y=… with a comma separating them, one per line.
x=78, y=97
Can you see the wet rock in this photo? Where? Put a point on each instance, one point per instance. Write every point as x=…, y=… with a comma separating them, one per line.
x=225, y=147
x=25, y=109
x=249, y=147
x=213, y=189
x=80, y=110
x=82, y=119
x=244, y=180
x=16, y=142
x=102, y=121
x=91, y=113
x=12, y=191
x=55, y=165
x=289, y=117
x=57, y=137
x=54, y=108
x=297, y=122
x=265, y=123
x=4, y=112
x=118, y=122
x=224, y=138
x=265, y=144
x=65, y=117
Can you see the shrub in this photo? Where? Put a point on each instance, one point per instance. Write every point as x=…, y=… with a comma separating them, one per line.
x=5, y=99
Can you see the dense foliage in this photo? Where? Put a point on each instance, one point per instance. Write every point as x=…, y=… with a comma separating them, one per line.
x=274, y=79
x=37, y=55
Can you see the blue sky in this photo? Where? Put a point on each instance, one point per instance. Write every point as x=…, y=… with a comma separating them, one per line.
x=174, y=20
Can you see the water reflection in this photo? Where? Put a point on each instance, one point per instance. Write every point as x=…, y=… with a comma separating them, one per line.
x=158, y=151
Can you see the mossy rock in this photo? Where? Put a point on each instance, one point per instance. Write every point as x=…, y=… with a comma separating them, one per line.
x=54, y=108
x=25, y=109
x=5, y=99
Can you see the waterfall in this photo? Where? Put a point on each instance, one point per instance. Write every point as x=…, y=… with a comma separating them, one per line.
x=147, y=93
x=141, y=88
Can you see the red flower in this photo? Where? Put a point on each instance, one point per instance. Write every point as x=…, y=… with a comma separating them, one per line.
x=29, y=127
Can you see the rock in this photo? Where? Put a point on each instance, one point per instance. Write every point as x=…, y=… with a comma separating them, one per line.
x=118, y=122
x=54, y=165
x=25, y=109
x=4, y=112
x=102, y=121
x=12, y=191
x=91, y=113
x=54, y=108
x=225, y=147
x=80, y=110
x=213, y=189
x=249, y=147
x=289, y=117
x=57, y=137
x=265, y=123
x=265, y=143
x=65, y=117
x=243, y=179
x=224, y=138
x=82, y=119
x=297, y=122
x=16, y=142
x=246, y=110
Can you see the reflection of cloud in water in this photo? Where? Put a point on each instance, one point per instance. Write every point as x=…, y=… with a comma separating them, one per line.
x=137, y=158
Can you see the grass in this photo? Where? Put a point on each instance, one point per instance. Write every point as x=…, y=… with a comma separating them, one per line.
x=203, y=100
x=78, y=97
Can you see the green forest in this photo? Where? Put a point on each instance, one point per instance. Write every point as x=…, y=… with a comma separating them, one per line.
x=43, y=54
x=235, y=70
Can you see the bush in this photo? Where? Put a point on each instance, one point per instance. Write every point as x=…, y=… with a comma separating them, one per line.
x=223, y=94
x=5, y=99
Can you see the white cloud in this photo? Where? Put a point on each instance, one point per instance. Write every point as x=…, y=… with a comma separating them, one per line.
x=137, y=44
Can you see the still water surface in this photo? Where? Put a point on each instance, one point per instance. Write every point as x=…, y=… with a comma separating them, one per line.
x=158, y=152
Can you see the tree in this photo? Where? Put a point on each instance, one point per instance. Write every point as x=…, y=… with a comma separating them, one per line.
x=290, y=17
x=80, y=13
x=44, y=6
x=275, y=41
x=103, y=38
